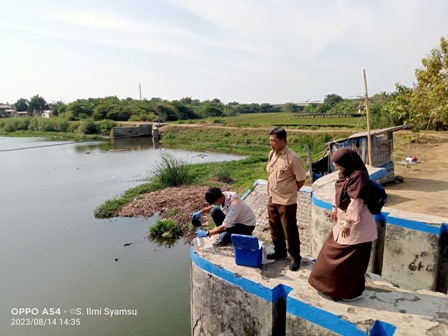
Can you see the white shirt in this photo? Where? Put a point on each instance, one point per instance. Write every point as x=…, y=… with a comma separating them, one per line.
x=236, y=211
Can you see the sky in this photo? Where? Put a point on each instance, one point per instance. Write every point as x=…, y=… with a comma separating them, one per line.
x=246, y=51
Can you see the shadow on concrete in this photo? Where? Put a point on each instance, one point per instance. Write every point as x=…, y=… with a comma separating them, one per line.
x=396, y=199
x=279, y=268
x=419, y=184
x=276, y=269
x=386, y=298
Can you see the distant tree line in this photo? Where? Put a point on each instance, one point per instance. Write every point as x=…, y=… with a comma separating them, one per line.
x=154, y=109
x=425, y=105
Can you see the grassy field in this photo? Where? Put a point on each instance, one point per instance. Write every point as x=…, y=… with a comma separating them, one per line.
x=275, y=119
x=253, y=142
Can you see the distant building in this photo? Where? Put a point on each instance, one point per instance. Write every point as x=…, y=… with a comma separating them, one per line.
x=6, y=111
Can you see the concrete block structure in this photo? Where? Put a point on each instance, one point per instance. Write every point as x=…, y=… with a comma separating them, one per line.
x=135, y=131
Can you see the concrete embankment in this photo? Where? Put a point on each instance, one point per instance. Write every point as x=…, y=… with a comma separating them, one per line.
x=228, y=299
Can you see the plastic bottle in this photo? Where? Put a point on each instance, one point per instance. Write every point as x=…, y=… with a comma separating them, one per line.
x=200, y=241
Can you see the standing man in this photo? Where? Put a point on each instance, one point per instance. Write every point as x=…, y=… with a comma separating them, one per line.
x=286, y=175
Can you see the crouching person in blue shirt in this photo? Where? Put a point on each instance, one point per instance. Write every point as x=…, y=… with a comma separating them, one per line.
x=230, y=214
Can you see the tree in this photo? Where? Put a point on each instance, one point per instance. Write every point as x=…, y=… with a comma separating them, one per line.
x=312, y=108
x=289, y=107
x=184, y=111
x=58, y=108
x=265, y=107
x=101, y=110
x=21, y=105
x=37, y=104
x=332, y=99
x=431, y=90
x=79, y=109
x=167, y=112
x=329, y=102
x=212, y=108
x=400, y=108
x=345, y=106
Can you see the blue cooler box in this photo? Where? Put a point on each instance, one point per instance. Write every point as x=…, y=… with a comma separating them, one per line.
x=248, y=250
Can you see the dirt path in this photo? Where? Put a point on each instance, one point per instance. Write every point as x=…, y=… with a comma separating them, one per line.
x=425, y=186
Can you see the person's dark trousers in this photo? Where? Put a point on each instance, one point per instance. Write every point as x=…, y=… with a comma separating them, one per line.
x=284, y=230
x=224, y=237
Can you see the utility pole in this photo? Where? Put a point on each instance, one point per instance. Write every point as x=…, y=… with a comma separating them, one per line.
x=369, y=140
x=140, y=90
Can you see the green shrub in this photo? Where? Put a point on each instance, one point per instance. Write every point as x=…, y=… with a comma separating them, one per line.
x=106, y=126
x=88, y=126
x=49, y=125
x=172, y=172
x=17, y=124
x=165, y=228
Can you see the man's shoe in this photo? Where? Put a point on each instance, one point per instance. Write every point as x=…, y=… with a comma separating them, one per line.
x=276, y=256
x=294, y=266
x=219, y=243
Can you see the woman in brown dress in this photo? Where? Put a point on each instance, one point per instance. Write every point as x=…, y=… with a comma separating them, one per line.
x=340, y=268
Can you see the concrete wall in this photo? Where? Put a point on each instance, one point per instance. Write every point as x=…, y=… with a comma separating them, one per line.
x=220, y=307
x=228, y=299
x=412, y=248
x=136, y=131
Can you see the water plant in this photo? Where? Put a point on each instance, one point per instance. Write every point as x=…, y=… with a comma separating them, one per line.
x=172, y=172
x=165, y=232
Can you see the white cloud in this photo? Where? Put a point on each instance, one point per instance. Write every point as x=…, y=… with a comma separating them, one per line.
x=251, y=48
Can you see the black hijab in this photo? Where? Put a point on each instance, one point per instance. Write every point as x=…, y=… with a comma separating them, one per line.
x=354, y=181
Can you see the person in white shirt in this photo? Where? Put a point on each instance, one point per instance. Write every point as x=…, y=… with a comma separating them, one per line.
x=230, y=214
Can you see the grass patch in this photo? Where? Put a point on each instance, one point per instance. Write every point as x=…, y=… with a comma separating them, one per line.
x=165, y=232
x=270, y=119
x=223, y=174
x=172, y=172
x=253, y=142
x=165, y=228
x=110, y=207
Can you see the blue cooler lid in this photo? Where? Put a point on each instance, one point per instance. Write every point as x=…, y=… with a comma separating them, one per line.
x=240, y=241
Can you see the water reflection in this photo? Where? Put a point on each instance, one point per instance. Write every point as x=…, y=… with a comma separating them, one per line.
x=120, y=144
x=164, y=242
x=54, y=253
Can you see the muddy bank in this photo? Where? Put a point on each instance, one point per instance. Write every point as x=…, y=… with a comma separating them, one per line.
x=176, y=203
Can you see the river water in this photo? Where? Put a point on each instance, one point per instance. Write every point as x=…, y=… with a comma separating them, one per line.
x=65, y=272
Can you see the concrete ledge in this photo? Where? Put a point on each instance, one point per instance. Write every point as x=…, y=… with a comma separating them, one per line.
x=228, y=299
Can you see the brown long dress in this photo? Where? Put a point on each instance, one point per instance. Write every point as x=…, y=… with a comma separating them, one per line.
x=339, y=271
